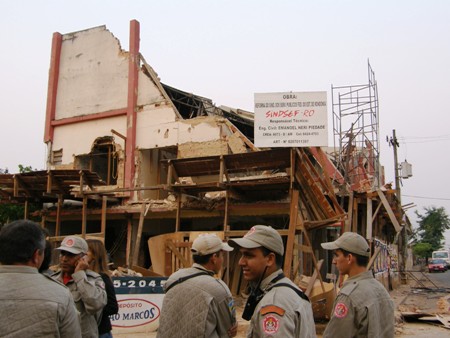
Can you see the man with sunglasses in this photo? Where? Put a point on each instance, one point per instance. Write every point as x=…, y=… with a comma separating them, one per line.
x=276, y=306
x=86, y=286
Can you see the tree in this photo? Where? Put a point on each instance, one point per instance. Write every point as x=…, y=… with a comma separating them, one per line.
x=432, y=226
x=12, y=211
x=25, y=169
x=423, y=250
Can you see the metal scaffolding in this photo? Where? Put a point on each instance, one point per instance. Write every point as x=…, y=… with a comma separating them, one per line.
x=356, y=131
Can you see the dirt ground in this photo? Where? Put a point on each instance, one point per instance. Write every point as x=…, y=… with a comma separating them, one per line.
x=418, y=297
x=410, y=298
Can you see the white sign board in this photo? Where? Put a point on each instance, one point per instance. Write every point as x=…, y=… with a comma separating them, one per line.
x=140, y=300
x=291, y=119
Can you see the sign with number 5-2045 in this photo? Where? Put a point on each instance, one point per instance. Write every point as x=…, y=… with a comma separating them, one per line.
x=140, y=300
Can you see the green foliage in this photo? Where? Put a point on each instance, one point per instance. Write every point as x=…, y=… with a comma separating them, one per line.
x=25, y=169
x=432, y=226
x=423, y=249
x=11, y=212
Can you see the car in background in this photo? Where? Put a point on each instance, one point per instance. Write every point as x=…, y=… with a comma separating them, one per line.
x=437, y=264
x=442, y=254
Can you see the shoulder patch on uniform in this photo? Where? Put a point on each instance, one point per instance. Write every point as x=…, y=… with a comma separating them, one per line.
x=340, y=310
x=272, y=309
x=270, y=324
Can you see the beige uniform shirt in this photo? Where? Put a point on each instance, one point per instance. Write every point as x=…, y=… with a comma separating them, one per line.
x=201, y=306
x=88, y=292
x=281, y=312
x=34, y=305
x=363, y=308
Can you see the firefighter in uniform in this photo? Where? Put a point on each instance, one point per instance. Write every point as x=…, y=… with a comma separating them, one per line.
x=276, y=306
x=86, y=286
x=363, y=308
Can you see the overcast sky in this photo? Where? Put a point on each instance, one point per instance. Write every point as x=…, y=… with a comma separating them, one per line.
x=229, y=50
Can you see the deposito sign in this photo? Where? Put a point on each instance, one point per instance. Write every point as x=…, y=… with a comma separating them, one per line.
x=291, y=119
x=140, y=300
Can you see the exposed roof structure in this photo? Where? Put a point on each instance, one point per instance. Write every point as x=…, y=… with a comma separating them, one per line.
x=43, y=185
x=191, y=105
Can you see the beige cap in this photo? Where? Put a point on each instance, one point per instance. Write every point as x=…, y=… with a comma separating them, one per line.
x=260, y=235
x=74, y=244
x=351, y=242
x=206, y=244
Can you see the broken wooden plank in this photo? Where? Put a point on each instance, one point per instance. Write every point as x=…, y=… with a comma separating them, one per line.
x=314, y=276
x=372, y=259
x=291, y=234
x=388, y=208
x=137, y=243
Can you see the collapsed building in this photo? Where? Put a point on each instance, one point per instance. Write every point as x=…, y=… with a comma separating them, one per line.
x=147, y=167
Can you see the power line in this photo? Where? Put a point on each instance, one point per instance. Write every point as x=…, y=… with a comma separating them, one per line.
x=429, y=198
x=424, y=139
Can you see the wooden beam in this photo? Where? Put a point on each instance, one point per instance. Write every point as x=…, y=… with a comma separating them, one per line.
x=293, y=166
x=178, y=216
x=304, y=248
x=84, y=218
x=104, y=206
x=225, y=216
x=308, y=243
x=19, y=184
x=291, y=234
x=81, y=183
x=386, y=205
x=221, y=169
x=25, y=210
x=369, y=219
x=355, y=215
x=129, y=234
x=58, y=215
x=137, y=243
x=376, y=211
x=348, y=222
x=372, y=259
x=49, y=182
x=169, y=172
x=313, y=278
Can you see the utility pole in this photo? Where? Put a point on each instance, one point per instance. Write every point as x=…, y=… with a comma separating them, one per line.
x=394, y=143
x=403, y=239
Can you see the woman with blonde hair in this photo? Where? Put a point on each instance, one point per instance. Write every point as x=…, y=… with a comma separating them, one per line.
x=98, y=263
